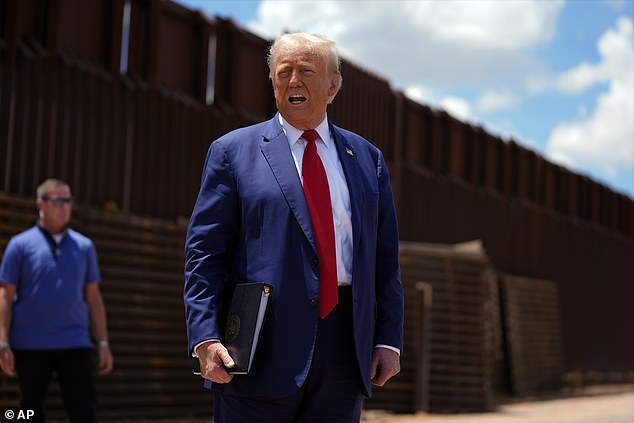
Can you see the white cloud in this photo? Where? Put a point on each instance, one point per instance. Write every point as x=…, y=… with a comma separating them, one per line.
x=604, y=139
x=444, y=44
x=457, y=107
x=471, y=57
x=421, y=94
x=580, y=78
x=485, y=24
x=492, y=100
x=433, y=41
x=617, y=59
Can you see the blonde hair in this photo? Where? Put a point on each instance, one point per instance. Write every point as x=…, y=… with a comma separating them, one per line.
x=314, y=44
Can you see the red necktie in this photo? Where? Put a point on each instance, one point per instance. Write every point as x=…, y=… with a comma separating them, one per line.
x=317, y=195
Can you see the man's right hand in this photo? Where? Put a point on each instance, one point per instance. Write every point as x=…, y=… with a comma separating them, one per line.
x=214, y=361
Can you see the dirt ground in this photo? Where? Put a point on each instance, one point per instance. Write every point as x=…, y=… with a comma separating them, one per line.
x=604, y=404
x=600, y=404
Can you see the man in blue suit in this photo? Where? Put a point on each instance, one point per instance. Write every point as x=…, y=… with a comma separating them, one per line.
x=259, y=217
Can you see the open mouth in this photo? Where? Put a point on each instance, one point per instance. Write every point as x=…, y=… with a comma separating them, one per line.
x=296, y=99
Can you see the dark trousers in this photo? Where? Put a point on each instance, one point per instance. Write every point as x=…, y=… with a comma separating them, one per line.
x=73, y=368
x=331, y=393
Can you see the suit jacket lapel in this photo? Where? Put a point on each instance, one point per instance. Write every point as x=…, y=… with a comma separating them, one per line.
x=277, y=152
x=351, y=169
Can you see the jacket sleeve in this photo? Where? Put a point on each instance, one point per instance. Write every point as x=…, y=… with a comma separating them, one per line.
x=389, y=289
x=210, y=239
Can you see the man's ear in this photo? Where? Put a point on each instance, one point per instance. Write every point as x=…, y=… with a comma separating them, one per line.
x=333, y=89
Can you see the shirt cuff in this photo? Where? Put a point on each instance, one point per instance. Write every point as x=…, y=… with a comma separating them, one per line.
x=194, y=353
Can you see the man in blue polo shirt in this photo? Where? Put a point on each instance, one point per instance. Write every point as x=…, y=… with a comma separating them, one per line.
x=50, y=305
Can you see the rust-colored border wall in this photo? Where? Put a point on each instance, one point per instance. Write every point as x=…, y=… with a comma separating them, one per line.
x=62, y=95
x=450, y=303
x=533, y=334
x=592, y=264
x=136, y=140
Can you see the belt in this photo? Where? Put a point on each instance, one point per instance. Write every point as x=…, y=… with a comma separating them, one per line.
x=345, y=294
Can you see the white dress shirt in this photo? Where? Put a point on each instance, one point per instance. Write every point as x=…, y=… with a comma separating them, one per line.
x=339, y=194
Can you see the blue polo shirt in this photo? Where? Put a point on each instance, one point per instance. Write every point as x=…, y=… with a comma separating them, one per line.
x=49, y=309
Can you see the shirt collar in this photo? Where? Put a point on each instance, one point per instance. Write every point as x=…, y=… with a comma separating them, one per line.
x=293, y=134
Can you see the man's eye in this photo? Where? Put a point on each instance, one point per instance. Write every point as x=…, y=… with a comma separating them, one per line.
x=283, y=74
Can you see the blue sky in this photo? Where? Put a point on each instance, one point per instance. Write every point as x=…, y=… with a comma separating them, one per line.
x=556, y=76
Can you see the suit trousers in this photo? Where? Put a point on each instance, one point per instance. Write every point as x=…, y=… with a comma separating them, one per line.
x=73, y=368
x=331, y=393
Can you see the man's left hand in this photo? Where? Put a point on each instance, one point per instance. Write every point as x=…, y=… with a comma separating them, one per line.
x=385, y=364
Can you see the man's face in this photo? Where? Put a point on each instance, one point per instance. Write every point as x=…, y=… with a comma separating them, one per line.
x=303, y=87
x=56, y=208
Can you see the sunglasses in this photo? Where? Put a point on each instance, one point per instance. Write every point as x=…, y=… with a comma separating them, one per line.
x=58, y=201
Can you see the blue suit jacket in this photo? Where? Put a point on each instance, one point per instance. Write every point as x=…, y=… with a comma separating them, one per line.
x=251, y=223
